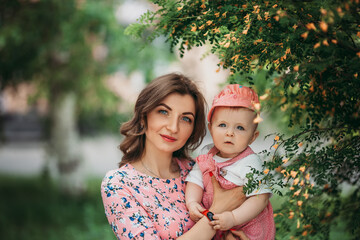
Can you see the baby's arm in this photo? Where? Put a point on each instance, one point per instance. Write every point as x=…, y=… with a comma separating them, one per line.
x=252, y=207
x=193, y=197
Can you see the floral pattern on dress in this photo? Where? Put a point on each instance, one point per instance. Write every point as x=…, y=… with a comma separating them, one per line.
x=139, y=206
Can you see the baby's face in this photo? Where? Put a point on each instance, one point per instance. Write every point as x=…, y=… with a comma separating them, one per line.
x=232, y=130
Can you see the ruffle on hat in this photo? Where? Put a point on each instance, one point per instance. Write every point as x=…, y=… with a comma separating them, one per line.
x=235, y=95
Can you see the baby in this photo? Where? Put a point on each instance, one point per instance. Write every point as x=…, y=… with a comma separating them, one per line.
x=229, y=159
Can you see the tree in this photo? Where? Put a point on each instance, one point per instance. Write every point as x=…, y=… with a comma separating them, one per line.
x=66, y=49
x=309, y=52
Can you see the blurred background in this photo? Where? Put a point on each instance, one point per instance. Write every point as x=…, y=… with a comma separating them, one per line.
x=69, y=78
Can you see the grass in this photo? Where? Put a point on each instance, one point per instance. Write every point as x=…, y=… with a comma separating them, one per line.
x=32, y=209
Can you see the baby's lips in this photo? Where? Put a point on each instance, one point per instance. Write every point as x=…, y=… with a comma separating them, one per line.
x=211, y=174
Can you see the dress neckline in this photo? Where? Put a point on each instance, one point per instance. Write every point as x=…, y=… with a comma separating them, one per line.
x=131, y=167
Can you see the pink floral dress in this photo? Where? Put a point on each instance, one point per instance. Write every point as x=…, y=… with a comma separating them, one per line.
x=139, y=206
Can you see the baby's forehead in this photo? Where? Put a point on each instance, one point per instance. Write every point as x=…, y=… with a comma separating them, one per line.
x=227, y=109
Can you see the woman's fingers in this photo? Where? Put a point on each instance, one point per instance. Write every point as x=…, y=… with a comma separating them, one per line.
x=240, y=234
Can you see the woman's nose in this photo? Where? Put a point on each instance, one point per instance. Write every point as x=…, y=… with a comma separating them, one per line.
x=173, y=125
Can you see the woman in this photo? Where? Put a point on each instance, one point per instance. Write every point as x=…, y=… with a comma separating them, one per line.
x=145, y=197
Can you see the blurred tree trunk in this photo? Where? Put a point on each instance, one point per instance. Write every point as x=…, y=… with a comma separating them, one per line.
x=65, y=148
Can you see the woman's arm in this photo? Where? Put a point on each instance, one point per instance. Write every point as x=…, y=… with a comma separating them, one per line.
x=224, y=200
x=127, y=219
x=252, y=207
x=193, y=197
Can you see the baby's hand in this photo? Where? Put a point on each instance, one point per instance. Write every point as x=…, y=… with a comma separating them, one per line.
x=223, y=221
x=195, y=210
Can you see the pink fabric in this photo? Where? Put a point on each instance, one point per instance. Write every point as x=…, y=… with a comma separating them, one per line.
x=234, y=95
x=260, y=228
x=142, y=207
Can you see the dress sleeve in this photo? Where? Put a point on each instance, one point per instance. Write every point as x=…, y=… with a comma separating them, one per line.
x=128, y=219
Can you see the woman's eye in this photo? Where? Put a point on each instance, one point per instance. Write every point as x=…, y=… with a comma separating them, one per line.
x=222, y=125
x=187, y=119
x=240, y=128
x=164, y=112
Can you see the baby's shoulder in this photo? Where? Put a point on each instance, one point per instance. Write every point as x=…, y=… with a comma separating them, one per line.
x=252, y=160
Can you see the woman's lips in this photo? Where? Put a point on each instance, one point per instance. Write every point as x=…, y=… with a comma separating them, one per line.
x=168, y=138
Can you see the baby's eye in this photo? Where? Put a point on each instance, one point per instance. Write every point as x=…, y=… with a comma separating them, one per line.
x=187, y=119
x=164, y=112
x=240, y=128
x=222, y=125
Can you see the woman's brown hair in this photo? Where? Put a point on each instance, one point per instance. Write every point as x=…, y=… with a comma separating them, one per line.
x=133, y=145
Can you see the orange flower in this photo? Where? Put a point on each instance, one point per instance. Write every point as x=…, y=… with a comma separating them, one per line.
x=285, y=160
x=209, y=22
x=257, y=106
x=300, y=144
x=296, y=68
x=323, y=26
x=193, y=28
x=306, y=195
x=258, y=119
x=276, y=138
x=263, y=97
x=179, y=8
x=276, y=146
x=266, y=171
x=305, y=35
x=334, y=41
x=293, y=174
x=227, y=44
x=316, y=45
x=217, y=14
x=304, y=233
x=297, y=192
x=296, y=181
x=358, y=54
x=310, y=26
x=325, y=42
x=299, y=203
x=302, y=168
x=277, y=18
x=203, y=6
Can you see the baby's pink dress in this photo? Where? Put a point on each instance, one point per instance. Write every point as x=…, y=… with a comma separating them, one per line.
x=139, y=206
x=260, y=228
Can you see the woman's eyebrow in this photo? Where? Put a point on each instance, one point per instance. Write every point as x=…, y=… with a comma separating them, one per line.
x=185, y=113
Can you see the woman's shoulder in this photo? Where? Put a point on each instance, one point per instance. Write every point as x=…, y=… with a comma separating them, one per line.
x=119, y=173
x=186, y=164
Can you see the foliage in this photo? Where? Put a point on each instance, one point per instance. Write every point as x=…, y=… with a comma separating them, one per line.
x=310, y=52
x=34, y=209
x=71, y=46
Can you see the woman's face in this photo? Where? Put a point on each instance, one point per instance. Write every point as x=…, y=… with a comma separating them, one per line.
x=170, y=124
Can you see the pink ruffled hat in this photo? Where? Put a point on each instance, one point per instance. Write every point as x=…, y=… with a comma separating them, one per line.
x=234, y=95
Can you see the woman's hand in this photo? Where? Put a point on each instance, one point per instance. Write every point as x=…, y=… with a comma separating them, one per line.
x=230, y=235
x=226, y=200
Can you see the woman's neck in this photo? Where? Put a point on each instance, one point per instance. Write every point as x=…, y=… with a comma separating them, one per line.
x=159, y=165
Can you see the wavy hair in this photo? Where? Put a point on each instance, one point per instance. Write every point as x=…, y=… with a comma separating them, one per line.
x=133, y=145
